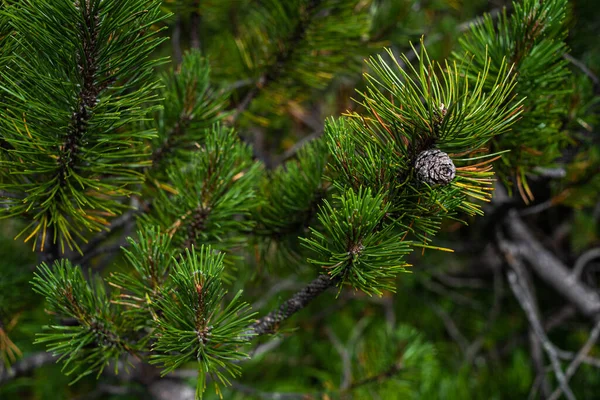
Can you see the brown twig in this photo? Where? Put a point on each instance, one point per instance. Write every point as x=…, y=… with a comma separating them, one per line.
x=270, y=322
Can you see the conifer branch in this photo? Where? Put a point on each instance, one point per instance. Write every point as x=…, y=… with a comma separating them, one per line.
x=190, y=106
x=282, y=58
x=269, y=323
x=87, y=66
x=176, y=132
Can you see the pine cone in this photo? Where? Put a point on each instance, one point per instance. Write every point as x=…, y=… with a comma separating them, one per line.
x=435, y=167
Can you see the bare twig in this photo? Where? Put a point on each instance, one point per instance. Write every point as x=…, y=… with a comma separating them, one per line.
x=537, y=357
x=583, y=260
x=523, y=296
x=569, y=355
x=592, y=339
x=552, y=270
x=345, y=356
x=451, y=327
x=522, y=290
x=582, y=67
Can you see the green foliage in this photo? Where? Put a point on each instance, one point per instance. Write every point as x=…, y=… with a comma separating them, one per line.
x=356, y=245
x=282, y=35
x=211, y=197
x=85, y=119
x=291, y=194
x=190, y=105
x=94, y=340
x=15, y=295
x=169, y=308
x=192, y=327
x=150, y=259
x=293, y=190
x=531, y=38
x=71, y=94
x=412, y=109
x=274, y=46
x=418, y=368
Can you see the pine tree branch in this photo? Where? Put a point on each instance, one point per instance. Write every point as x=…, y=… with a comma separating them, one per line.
x=177, y=131
x=87, y=65
x=196, y=225
x=283, y=57
x=270, y=322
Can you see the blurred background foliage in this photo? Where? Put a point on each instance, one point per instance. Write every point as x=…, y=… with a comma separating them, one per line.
x=452, y=330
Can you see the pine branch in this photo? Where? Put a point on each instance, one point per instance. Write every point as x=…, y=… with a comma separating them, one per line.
x=190, y=106
x=532, y=39
x=210, y=197
x=175, y=133
x=87, y=65
x=270, y=323
x=70, y=99
x=285, y=54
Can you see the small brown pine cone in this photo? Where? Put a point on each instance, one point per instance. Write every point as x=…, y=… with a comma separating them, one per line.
x=435, y=167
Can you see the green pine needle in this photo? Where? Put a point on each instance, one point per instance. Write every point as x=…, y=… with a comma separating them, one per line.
x=192, y=325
